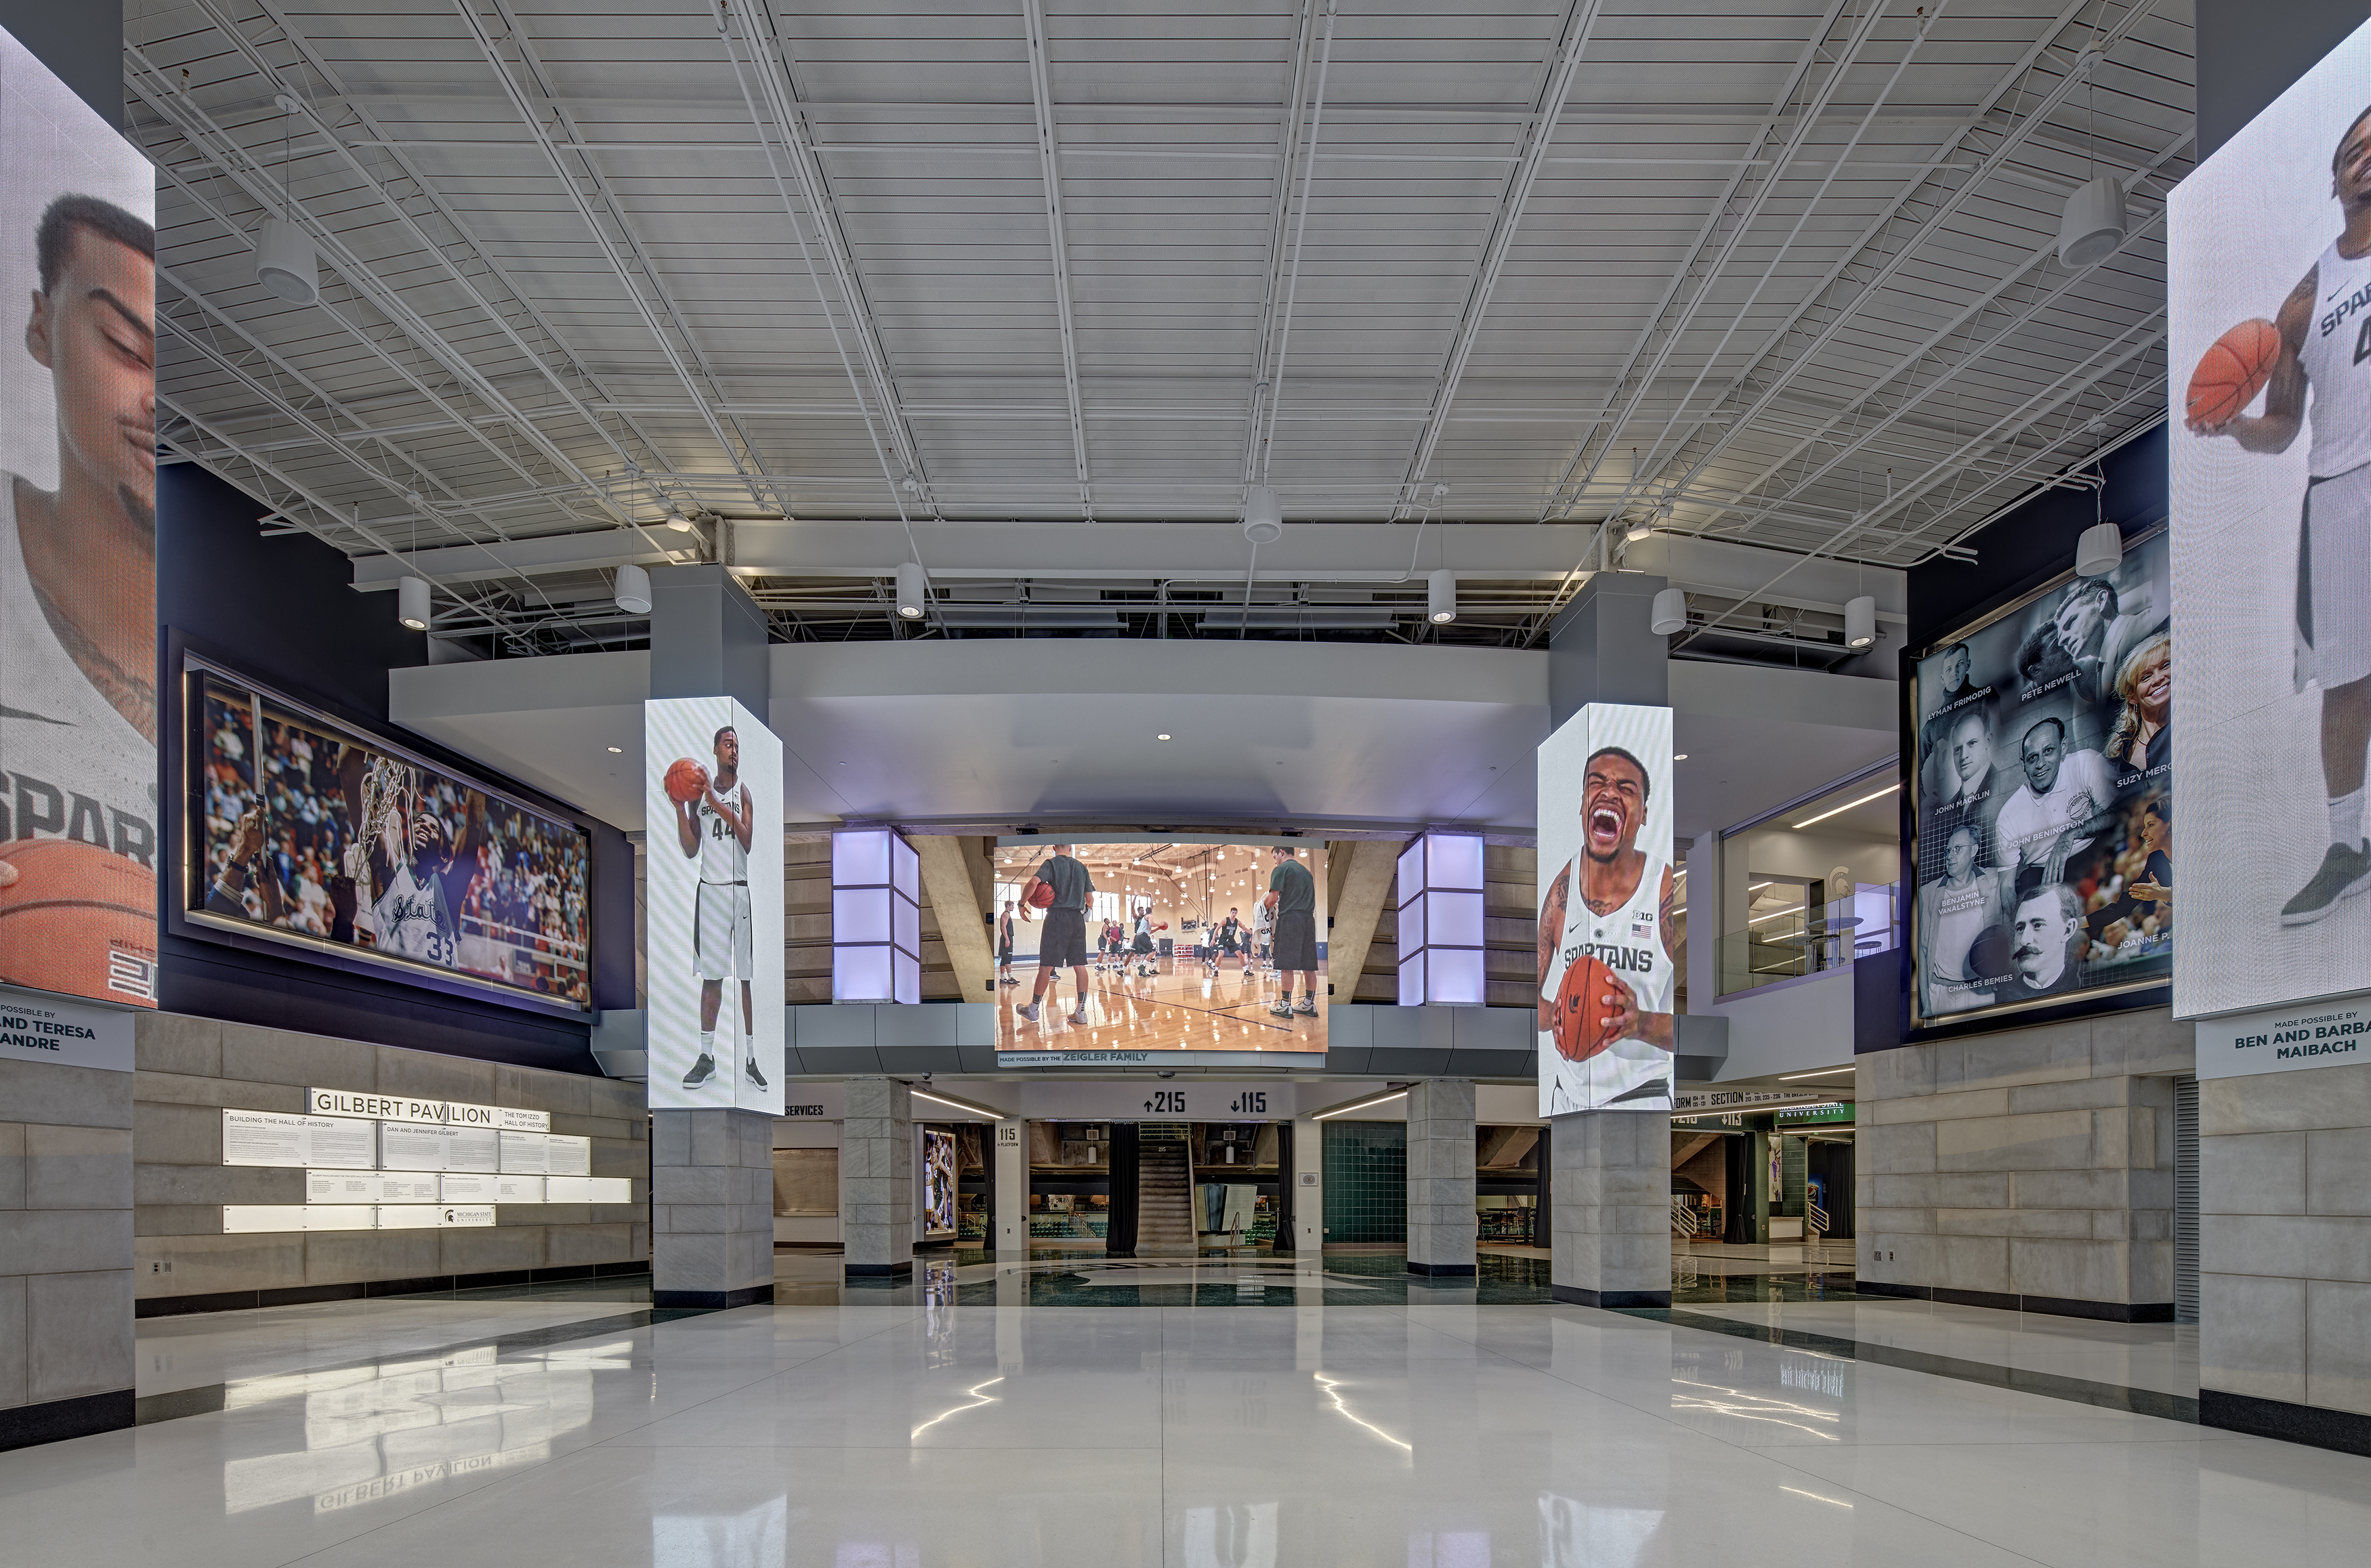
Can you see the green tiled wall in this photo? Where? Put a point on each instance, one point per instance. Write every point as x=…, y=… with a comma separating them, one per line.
x=1366, y=1181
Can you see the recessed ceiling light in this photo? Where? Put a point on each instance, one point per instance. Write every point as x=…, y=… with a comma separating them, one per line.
x=1679, y=757
x=1162, y=737
x=617, y=751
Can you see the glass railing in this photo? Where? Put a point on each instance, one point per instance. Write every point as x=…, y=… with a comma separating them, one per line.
x=1810, y=941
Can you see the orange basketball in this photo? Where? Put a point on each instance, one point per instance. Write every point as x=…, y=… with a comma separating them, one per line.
x=1581, y=1014
x=686, y=781
x=2232, y=371
x=74, y=917
x=1042, y=897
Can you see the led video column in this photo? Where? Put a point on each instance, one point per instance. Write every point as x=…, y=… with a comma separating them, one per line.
x=1608, y=960
x=713, y=804
x=77, y=545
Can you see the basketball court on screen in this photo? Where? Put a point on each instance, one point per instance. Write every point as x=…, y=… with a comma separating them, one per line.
x=1183, y=894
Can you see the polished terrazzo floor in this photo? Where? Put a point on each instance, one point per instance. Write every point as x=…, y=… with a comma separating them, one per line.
x=963, y=1427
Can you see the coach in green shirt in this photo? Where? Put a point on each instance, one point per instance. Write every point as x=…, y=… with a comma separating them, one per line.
x=1292, y=896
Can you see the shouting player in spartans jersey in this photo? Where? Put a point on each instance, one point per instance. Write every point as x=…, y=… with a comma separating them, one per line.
x=1613, y=901
x=714, y=828
x=2325, y=326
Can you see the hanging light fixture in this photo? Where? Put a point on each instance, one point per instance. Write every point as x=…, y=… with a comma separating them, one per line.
x=913, y=591
x=633, y=589
x=411, y=603
x=1671, y=612
x=1860, y=623
x=285, y=258
x=1262, y=515
x=1440, y=597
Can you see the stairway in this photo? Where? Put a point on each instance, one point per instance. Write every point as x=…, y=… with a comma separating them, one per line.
x=1164, y=1192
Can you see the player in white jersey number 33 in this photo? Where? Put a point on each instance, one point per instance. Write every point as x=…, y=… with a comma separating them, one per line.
x=714, y=828
x=1606, y=954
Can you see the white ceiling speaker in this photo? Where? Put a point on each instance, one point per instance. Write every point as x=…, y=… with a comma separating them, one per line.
x=2100, y=550
x=1671, y=612
x=1440, y=597
x=285, y=264
x=1262, y=515
x=913, y=591
x=1860, y=623
x=411, y=603
x=633, y=589
x=2093, y=224
x=677, y=521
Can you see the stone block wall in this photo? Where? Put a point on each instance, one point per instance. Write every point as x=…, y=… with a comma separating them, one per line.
x=2285, y=1254
x=1440, y=1220
x=711, y=1208
x=190, y=1069
x=876, y=1178
x=2031, y=1169
x=1609, y=1208
x=65, y=1252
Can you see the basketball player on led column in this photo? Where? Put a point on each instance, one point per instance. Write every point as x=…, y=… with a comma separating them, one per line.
x=1606, y=958
x=710, y=827
x=79, y=598
x=2324, y=331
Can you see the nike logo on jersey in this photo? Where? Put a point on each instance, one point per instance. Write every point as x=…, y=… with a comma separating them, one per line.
x=2355, y=302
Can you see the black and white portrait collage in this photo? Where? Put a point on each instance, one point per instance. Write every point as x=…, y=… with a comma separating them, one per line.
x=2042, y=790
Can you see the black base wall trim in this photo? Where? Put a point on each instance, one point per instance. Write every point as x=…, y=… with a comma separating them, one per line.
x=719, y=1300
x=2049, y=1305
x=2341, y=1430
x=1610, y=1298
x=878, y=1271
x=300, y=1295
x=54, y=1421
x=1441, y=1271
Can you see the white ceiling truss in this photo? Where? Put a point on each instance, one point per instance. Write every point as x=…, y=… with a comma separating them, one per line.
x=1774, y=273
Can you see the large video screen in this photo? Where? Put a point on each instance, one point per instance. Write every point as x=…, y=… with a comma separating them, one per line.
x=1608, y=948
x=712, y=803
x=78, y=835
x=2043, y=789
x=1113, y=952
x=2268, y=273
x=308, y=833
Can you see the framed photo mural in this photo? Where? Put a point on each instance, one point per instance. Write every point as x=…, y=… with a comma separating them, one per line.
x=2041, y=759
x=2268, y=284
x=305, y=833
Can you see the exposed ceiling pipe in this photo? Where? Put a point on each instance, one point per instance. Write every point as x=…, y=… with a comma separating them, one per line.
x=1264, y=438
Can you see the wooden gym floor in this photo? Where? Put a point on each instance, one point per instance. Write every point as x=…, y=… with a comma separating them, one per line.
x=1166, y=1013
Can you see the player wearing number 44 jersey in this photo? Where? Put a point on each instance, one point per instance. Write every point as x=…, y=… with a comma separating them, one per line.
x=1610, y=1026
x=714, y=827
x=2325, y=344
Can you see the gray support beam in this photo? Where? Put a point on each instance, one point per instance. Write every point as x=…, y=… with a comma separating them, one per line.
x=1600, y=648
x=711, y=1208
x=1440, y=1223
x=876, y=1179
x=707, y=637
x=1610, y=1203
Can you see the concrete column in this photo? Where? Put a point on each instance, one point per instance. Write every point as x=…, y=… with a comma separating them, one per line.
x=711, y=1208
x=1308, y=1195
x=707, y=637
x=876, y=1179
x=1008, y=1168
x=1612, y=1208
x=1440, y=1177
x=1600, y=648
x=65, y=1250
